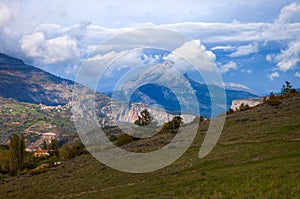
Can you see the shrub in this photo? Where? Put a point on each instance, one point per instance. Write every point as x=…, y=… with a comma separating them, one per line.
x=38, y=171
x=112, y=138
x=172, y=126
x=77, y=149
x=244, y=107
x=273, y=100
x=230, y=111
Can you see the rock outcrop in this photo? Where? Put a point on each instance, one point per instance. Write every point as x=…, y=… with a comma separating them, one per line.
x=236, y=104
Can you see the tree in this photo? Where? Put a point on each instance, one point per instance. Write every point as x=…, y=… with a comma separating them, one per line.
x=44, y=146
x=16, y=153
x=22, y=151
x=54, y=147
x=77, y=149
x=14, y=150
x=287, y=88
x=145, y=118
x=4, y=161
x=172, y=126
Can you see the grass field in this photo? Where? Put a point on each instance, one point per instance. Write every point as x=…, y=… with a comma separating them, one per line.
x=257, y=156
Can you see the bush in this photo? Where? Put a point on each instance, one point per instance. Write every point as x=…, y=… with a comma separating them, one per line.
x=123, y=139
x=273, y=100
x=77, y=149
x=230, y=111
x=172, y=126
x=244, y=107
x=112, y=138
x=38, y=171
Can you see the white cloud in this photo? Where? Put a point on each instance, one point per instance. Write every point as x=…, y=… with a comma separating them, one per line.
x=224, y=48
x=269, y=58
x=289, y=58
x=8, y=9
x=60, y=43
x=196, y=54
x=289, y=12
x=297, y=74
x=273, y=75
x=246, y=71
x=245, y=50
x=49, y=51
x=113, y=61
x=229, y=66
x=234, y=86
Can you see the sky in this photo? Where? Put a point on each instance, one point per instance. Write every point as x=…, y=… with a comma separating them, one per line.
x=255, y=43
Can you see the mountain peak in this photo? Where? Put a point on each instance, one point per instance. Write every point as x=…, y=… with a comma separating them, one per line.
x=8, y=62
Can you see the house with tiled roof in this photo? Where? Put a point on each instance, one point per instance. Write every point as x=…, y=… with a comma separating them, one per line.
x=41, y=153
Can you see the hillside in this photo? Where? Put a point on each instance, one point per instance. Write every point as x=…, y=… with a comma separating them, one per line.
x=257, y=156
x=34, y=120
x=29, y=84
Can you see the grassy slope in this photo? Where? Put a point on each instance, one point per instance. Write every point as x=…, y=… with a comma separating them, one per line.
x=257, y=156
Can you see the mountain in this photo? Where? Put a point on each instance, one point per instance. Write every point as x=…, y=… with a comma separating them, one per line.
x=29, y=84
x=179, y=93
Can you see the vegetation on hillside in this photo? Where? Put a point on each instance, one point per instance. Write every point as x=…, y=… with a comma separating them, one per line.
x=16, y=161
x=17, y=117
x=287, y=91
x=257, y=156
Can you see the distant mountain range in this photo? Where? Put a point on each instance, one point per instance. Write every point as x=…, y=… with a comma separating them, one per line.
x=24, y=83
x=29, y=84
x=152, y=94
x=178, y=96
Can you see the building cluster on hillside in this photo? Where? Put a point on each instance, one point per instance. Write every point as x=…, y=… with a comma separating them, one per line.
x=57, y=108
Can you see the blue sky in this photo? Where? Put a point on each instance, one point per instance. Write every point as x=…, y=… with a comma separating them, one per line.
x=253, y=42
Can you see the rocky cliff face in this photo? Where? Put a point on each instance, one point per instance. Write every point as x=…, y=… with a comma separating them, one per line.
x=236, y=104
x=115, y=114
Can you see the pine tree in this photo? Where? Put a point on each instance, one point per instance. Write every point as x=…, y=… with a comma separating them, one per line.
x=145, y=118
x=287, y=88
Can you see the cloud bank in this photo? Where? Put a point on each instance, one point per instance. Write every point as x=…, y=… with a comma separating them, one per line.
x=49, y=51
